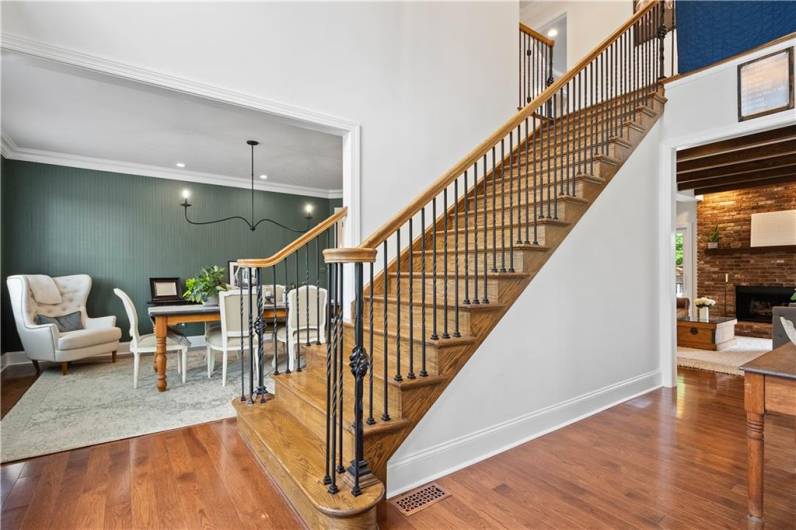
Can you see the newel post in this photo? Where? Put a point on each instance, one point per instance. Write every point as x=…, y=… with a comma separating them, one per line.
x=358, y=473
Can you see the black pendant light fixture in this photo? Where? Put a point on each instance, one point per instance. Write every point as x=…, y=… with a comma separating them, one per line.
x=249, y=222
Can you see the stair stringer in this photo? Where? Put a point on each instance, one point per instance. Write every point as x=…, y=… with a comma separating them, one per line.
x=420, y=457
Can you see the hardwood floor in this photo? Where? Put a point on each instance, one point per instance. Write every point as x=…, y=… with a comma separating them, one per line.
x=672, y=459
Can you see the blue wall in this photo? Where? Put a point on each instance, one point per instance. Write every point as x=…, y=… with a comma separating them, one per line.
x=709, y=31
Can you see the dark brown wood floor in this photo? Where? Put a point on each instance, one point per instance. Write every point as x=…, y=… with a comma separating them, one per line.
x=671, y=459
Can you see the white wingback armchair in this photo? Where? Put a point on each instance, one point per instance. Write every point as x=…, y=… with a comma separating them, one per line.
x=44, y=342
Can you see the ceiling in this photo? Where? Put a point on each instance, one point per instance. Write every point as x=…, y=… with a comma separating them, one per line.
x=753, y=160
x=88, y=119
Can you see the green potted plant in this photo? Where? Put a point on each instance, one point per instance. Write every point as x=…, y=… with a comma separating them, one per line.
x=204, y=287
x=713, y=238
x=793, y=299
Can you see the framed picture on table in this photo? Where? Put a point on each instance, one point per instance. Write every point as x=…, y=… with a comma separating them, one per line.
x=165, y=290
x=238, y=276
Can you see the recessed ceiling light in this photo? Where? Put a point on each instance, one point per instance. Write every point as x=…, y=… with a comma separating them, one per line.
x=264, y=176
x=180, y=164
x=552, y=32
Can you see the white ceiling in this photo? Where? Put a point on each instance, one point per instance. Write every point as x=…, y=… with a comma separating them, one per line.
x=52, y=110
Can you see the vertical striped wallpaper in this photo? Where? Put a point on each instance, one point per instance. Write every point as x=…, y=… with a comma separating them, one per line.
x=123, y=229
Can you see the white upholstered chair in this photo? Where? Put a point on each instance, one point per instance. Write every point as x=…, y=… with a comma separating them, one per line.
x=146, y=343
x=44, y=342
x=226, y=338
x=306, y=319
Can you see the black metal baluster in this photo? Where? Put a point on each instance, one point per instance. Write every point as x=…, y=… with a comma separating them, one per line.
x=466, y=241
x=536, y=138
x=251, y=339
x=318, y=291
x=494, y=213
x=287, y=336
x=485, y=299
x=328, y=477
x=423, y=372
x=298, y=317
x=359, y=368
x=260, y=332
x=456, y=254
x=340, y=279
x=398, y=320
x=511, y=200
x=528, y=171
x=502, y=205
x=371, y=421
x=475, y=299
x=239, y=273
x=434, y=334
x=445, y=334
x=411, y=373
x=274, y=322
x=386, y=414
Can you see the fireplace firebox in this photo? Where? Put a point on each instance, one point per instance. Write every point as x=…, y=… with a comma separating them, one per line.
x=755, y=303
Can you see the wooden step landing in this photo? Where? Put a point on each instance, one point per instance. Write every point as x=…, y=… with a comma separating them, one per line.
x=294, y=458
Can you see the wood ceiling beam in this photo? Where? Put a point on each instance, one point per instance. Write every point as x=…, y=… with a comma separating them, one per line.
x=743, y=167
x=750, y=184
x=738, y=144
x=727, y=159
x=789, y=171
x=782, y=171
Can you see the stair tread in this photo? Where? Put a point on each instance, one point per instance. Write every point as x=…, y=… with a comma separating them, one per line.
x=301, y=454
x=310, y=386
x=542, y=222
x=480, y=250
x=493, y=306
x=438, y=343
x=416, y=275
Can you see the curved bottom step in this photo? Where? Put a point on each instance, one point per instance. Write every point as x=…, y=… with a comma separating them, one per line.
x=294, y=459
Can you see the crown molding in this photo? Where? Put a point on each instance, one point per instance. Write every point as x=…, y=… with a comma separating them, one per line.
x=298, y=116
x=13, y=152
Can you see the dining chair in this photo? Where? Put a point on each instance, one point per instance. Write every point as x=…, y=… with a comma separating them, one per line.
x=306, y=319
x=227, y=337
x=146, y=343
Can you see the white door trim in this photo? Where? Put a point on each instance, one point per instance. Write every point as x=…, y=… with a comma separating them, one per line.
x=295, y=115
x=667, y=212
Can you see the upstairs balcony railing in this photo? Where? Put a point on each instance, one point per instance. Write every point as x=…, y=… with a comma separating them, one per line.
x=535, y=64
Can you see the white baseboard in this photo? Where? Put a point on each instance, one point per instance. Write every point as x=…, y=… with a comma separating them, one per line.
x=445, y=458
x=18, y=357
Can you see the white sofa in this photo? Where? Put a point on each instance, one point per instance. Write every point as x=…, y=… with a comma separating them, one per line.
x=44, y=342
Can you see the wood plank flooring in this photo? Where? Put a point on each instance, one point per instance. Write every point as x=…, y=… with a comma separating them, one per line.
x=669, y=459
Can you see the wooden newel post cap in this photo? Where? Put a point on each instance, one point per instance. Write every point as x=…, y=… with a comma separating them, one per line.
x=350, y=255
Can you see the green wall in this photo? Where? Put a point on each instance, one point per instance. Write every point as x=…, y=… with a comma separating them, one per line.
x=123, y=229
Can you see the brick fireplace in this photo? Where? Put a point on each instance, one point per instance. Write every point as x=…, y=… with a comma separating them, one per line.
x=735, y=261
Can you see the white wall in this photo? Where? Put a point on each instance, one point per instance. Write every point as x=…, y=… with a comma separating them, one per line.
x=426, y=81
x=581, y=337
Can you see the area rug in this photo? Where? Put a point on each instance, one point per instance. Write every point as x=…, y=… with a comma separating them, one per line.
x=96, y=403
x=727, y=361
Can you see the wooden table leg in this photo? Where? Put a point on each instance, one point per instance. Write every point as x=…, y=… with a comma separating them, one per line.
x=161, y=330
x=755, y=413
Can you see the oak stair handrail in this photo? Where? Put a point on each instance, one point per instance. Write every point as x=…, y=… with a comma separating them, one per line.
x=447, y=178
x=297, y=243
x=536, y=35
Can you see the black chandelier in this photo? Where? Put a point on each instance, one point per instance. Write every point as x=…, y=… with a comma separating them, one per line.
x=249, y=222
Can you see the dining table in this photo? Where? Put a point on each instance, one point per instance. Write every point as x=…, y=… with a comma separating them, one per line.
x=165, y=316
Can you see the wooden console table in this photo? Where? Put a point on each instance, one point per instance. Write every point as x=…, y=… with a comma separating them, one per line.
x=769, y=386
x=718, y=333
x=171, y=315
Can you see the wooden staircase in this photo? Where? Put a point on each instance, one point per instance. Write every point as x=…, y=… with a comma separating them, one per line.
x=505, y=226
